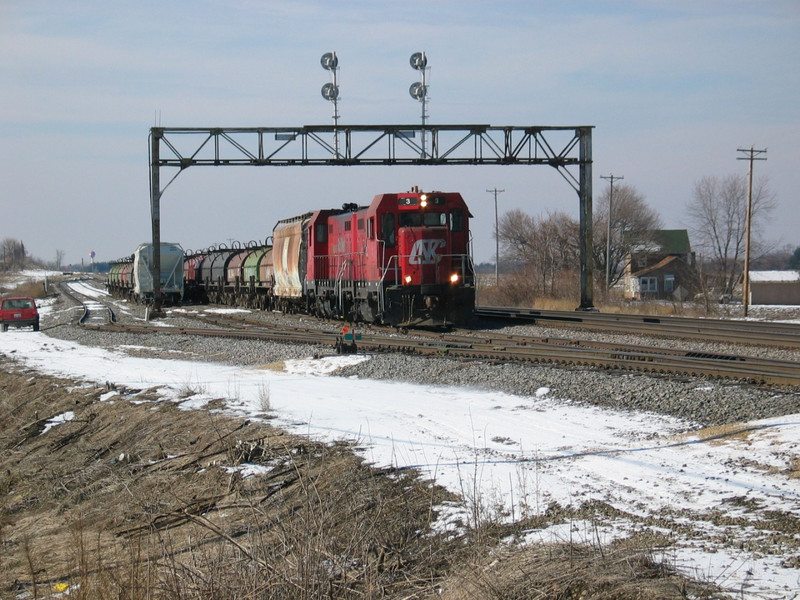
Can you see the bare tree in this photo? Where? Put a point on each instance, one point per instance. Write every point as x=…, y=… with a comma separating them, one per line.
x=718, y=213
x=59, y=259
x=545, y=250
x=13, y=254
x=631, y=214
x=517, y=234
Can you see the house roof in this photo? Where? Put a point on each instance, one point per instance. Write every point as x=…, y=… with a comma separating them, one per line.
x=659, y=265
x=774, y=276
x=666, y=241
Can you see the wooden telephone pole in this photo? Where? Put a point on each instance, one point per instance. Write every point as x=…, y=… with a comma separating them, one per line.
x=611, y=179
x=495, y=191
x=752, y=155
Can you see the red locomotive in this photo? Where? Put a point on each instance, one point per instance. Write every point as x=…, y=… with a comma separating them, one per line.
x=403, y=260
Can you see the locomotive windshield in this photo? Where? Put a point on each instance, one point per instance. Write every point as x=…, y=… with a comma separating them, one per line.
x=418, y=219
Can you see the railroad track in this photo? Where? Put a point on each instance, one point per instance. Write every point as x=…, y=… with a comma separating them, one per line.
x=504, y=348
x=752, y=333
x=95, y=312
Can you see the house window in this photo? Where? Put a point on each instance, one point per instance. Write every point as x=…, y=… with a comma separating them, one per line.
x=648, y=285
x=669, y=283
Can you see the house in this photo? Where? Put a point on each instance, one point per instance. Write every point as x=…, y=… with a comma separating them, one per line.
x=774, y=287
x=660, y=266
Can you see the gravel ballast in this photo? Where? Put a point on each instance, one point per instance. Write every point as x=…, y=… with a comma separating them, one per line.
x=703, y=401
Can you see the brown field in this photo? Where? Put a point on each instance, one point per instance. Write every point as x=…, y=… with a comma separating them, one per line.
x=135, y=498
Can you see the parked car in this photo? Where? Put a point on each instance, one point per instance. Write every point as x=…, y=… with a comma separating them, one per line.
x=18, y=312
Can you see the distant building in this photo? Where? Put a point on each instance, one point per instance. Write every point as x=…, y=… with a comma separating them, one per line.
x=774, y=287
x=660, y=266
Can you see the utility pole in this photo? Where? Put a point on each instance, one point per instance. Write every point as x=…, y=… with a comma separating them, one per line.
x=495, y=191
x=611, y=179
x=752, y=154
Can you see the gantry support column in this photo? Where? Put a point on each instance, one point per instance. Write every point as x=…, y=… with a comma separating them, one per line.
x=155, y=215
x=585, y=194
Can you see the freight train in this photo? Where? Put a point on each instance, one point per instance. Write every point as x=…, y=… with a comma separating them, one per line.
x=402, y=260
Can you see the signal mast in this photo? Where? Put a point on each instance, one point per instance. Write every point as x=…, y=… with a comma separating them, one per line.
x=330, y=91
x=419, y=90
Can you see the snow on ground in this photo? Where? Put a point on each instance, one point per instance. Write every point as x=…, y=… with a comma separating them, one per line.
x=508, y=456
x=17, y=278
x=89, y=290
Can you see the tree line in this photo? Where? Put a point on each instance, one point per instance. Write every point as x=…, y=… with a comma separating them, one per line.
x=14, y=256
x=542, y=252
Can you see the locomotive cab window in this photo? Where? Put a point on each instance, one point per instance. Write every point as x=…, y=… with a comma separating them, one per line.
x=410, y=219
x=457, y=219
x=322, y=233
x=418, y=219
x=387, y=229
x=435, y=219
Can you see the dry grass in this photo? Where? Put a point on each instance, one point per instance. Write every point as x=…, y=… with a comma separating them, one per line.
x=30, y=289
x=143, y=500
x=516, y=295
x=138, y=500
x=568, y=572
x=720, y=434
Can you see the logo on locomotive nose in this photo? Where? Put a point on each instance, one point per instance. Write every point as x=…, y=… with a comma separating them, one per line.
x=423, y=252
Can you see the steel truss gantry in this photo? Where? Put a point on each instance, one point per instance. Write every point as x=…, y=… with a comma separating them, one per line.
x=563, y=148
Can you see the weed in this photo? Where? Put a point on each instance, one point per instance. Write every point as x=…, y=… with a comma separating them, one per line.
x=263, y=397
x=191, y=388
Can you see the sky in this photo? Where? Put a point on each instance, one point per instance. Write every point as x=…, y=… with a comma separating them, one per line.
x=673, y=89
x=501, y=453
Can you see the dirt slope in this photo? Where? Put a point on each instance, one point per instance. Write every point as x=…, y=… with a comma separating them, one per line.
x=131, y=497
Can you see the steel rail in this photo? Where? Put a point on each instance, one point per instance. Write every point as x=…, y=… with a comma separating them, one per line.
x=754, y=333
x=660, y=361
x=91, y=306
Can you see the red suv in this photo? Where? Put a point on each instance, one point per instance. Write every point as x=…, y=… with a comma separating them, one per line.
x=18, y=312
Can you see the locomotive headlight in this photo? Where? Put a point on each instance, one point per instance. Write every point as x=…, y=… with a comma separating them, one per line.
x=423, y=200
x=454, y=278
x=408, y=279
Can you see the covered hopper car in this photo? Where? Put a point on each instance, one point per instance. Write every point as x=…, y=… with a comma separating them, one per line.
x=132, y=279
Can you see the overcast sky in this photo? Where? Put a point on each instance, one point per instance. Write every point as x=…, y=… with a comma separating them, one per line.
x=672, y=88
